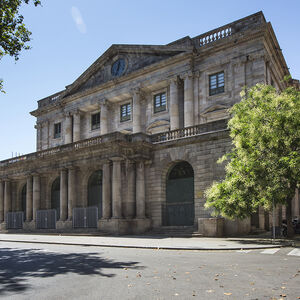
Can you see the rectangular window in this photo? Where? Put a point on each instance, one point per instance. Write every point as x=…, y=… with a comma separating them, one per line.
x=125, y=112
x=216, y=83
x=95, y=121
x=160, y=102
x=57, y=130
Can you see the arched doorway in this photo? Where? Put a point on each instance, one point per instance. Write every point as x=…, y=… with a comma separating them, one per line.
x=23, y=201
x=55, y=197
x=180, y=196
x=95, y=191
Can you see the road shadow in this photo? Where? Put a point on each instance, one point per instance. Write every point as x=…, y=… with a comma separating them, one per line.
x=18, y=266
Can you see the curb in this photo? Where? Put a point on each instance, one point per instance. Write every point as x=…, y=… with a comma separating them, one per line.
x=150, y=247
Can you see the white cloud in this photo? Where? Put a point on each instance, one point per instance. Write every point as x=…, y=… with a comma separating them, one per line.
x=76, y=15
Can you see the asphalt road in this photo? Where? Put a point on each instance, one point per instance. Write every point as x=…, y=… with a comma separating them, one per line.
x=37, y=271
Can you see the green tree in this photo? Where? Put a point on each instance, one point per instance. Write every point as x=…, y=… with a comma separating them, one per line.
x=263, y=167
x=13, y=33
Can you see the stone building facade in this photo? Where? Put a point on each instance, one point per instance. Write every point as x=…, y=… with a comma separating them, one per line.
x=132, y=144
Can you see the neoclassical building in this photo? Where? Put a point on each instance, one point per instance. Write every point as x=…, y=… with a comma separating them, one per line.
x=132, y=144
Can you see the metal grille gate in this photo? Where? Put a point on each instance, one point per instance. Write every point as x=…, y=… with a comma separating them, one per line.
x=85, y=217
x=14, y=220
x=46, y=219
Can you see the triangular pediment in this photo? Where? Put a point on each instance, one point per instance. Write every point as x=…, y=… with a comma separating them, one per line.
x=119, y=61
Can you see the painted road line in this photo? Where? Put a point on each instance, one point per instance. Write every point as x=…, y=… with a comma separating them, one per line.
x=295, y=252
x=244, y=251
x=270, y=251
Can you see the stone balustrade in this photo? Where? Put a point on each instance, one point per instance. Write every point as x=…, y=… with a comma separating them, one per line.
x=189, y=131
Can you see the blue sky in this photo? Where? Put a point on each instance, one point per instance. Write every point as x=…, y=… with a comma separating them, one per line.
x=69, y=35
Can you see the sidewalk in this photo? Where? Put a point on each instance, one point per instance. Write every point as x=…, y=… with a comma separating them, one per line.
x=149, y=242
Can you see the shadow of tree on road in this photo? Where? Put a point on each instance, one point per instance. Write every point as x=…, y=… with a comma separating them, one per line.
x=17, y=266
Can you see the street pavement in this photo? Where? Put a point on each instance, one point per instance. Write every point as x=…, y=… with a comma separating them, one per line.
x=60, y=271
x=148, y=242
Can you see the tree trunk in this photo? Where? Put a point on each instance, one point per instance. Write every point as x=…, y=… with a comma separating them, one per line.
x=290, y=229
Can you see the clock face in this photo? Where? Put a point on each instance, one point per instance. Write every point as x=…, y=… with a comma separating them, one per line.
x=118, y=67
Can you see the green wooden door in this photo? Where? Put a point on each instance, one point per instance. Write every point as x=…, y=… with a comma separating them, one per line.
x=95, y=191
x=179, y=208
x=55, y=197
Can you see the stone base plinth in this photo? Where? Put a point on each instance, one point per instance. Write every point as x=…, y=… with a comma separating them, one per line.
x=211, y=227
x=124, y=226
x=29, y=226
x=237, y=227
x=63, y=225
x=3, y=226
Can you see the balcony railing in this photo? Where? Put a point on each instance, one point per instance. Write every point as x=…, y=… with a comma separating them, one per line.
x=116, y=136
x=52, y=151
x=212, y=36
x=189, y=131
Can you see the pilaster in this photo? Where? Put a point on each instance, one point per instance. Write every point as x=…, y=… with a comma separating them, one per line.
x=188, y=99
x=63, y=195
x=136, y=110
x=140, y=190
x=29, y=191
x=36, y=195
x=174, y=109
x=7, y=197
x=116, y=188
x=106, y=191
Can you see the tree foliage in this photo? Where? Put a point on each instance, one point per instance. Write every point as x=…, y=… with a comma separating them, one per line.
x=264, y=164
x=13, y=33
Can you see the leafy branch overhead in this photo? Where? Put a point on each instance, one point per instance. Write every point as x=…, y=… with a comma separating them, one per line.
x=263, y=165
x=14, y=35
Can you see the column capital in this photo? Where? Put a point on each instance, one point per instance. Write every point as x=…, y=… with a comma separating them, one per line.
x=187, y=75
x=116, y=159
x=138, y=91
x=173, y=80
x=38, y=125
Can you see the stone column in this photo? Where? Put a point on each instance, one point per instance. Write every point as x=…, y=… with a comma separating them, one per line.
x=68, y=128
x=103, y=117
x=174, y=109
x=38, y=128
x=116, y=188
x=76, y=124
x=71, y=191
x=106, y=191
x=140, y=190
x=36, y=195
x=188, y=100
x=1, y=202
x=63, y=195
x=29, y=199
x=130, y=205
x=7, y=197
x=136, y=111
x=261, y=218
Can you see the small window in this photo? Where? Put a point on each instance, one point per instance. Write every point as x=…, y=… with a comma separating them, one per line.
x=57, y=130
x=216, y=83
x=160, y=102
x=125, y=112
x=95, y=120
